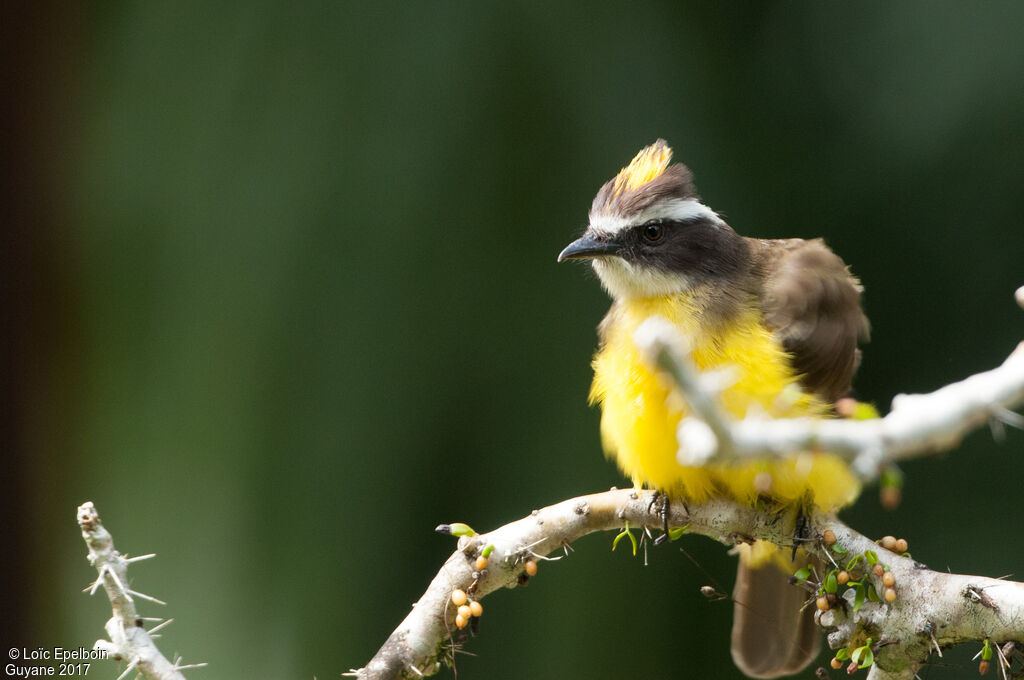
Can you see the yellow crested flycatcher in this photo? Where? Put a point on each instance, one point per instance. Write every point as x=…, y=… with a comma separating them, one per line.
x=785, y=314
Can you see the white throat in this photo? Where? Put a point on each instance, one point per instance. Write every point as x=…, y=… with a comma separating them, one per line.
x=625, y=280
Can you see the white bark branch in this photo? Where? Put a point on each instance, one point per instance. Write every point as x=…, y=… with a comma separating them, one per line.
x=932, y=609
x=129, y=640
x=951, y=607
x=918, y=424
x=876, y=672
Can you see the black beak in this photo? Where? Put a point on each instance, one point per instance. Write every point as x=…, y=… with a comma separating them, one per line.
x=589, y=245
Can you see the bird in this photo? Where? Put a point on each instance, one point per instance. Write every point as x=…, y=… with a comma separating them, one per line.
x=786, y=317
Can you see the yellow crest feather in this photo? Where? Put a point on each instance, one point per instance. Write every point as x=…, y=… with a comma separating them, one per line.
x=645, y=166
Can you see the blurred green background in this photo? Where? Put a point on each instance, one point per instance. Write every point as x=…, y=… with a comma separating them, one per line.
x=282, y=295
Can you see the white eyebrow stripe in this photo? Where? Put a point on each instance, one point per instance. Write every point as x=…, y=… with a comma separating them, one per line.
x=681, y=210
x=677, y=209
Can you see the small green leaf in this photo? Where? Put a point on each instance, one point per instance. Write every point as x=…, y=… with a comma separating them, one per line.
x=872, y=595
x=853, y=562
x=625, y=532
x=455, y=529
x=857, y=653
x=986, y=651
x=864, y=411
x=892, y=476
x=488, y=550
x=839, y=550
x=831, y=584
x=858, y=599
x=843, y=654
x=871, y=556
x=675, y=532
x=802, y=575
x=868, y=657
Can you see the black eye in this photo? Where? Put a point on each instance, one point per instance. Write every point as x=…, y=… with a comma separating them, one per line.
x=652, y=232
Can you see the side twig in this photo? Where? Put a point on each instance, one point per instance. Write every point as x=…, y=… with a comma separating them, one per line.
x=129, y=640
x=917, y=424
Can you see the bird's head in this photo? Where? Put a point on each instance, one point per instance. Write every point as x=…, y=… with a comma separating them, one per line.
x=649, y=234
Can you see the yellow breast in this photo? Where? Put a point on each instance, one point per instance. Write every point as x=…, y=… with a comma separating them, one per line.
x=639, y=421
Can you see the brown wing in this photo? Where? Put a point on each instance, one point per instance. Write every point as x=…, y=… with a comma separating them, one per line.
x=812, y=302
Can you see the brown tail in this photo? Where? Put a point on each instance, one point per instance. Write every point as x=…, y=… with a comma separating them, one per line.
x=771, y=637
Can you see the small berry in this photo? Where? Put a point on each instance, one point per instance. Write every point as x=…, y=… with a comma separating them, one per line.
x=843, y=577
x=889, y=542
x=890, y=595
x=531, y=567
x=836, y=663
x=459, y=597
x=822, y=603
x=763, y=482
x=889, y=579
x=845, y=408
x=890, y=497
x=829, y=537
x=481, y=563
x=475, y=608
x=879, y=569
x=982, y=667
x=460, y=622
x=901, y=545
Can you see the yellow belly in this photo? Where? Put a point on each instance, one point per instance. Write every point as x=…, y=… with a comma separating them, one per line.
x=639, y=421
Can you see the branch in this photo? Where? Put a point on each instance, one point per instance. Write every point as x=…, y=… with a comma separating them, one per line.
x=917, y=424
x=928, y=610
x=954, y=608
x=129, y=640
x=933, y=610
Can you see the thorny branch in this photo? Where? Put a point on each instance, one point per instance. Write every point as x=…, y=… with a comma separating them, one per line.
x=933, y=610
x=129, y=641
